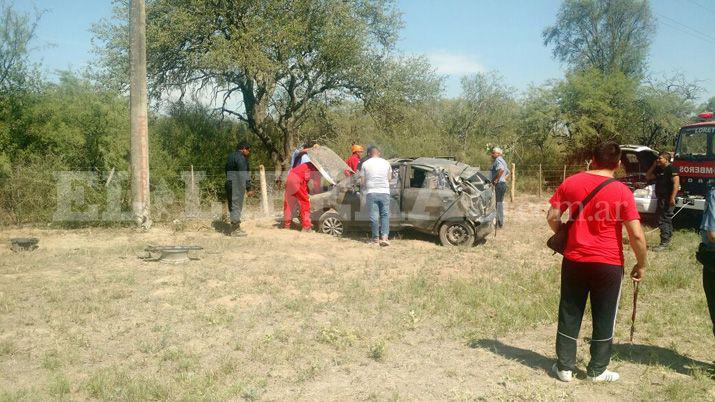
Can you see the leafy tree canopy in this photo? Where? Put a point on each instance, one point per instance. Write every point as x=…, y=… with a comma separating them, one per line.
x=16, y=32
x=267, y=62
x=608, y=35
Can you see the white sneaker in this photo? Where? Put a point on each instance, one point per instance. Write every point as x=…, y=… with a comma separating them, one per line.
x=563, y=375
x=606, y=376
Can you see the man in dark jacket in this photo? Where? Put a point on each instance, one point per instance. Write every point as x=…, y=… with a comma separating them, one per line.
x=667, y=184
x=238, y=182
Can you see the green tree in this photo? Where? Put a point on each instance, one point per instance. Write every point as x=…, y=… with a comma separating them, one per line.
x=662, y=107
x=397, y=87
x=595, y=107
x=708, y=106
x=193, y=135
x=18, y=77
x=608, y=35
x=84, y=126
x=539, y=124
x=485, y=113
x=269, y=63
x=16, y=32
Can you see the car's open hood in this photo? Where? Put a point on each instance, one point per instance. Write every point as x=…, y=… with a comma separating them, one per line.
x=636, y=159
x=329, y=164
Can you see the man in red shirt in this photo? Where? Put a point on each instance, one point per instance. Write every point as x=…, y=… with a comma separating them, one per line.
x=354, y=159
x=296, y=194
x=593, y=260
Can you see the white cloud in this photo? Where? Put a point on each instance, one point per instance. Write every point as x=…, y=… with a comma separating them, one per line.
x=454, y=63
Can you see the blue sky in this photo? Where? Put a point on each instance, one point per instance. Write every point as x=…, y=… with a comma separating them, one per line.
x=458, y=36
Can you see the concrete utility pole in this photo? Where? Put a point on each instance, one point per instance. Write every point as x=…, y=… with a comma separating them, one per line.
x=139, y=115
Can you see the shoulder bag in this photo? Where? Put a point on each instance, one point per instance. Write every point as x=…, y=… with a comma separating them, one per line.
x=558, y=241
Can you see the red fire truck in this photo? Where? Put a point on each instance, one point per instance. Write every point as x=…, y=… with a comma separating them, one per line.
x=695, y=161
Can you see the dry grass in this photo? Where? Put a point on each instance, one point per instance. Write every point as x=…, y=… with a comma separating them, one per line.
x=283, y=315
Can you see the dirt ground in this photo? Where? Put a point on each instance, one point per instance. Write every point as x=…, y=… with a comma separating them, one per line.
x=283, y=315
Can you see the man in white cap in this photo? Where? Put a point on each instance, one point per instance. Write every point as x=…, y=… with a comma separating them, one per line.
x=499, y=173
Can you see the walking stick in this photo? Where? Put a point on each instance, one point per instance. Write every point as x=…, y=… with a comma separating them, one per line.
x=635, y=309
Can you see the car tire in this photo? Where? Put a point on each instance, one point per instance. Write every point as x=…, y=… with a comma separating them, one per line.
x=456, y=234
x=331, y=223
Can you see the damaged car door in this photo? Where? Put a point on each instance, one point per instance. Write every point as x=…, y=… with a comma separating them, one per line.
x=361, y=212
x=426, y=195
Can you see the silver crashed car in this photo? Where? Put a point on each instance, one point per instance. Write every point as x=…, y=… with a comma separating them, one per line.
x=437, y=196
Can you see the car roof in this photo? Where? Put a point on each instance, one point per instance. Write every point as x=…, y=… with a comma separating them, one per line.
x=441, y=162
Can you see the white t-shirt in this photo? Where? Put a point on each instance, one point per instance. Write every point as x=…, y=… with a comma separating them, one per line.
x=376, y=172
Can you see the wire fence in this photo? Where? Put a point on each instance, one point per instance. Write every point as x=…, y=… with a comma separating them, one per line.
x=36, y=195
x=541, y=179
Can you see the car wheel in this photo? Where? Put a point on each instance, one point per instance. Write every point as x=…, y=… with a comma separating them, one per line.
x=456, y=234
x=332, y=224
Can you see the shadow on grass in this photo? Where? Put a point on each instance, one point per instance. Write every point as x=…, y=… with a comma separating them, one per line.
x=526, y=357
x=221, y=226
x=361, y=233
x=637, y=354
x=655, y=355
x=404, y=234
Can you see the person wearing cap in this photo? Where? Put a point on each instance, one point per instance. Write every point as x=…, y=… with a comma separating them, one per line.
x=238, y=182
x=499, y=173
x=354, y=159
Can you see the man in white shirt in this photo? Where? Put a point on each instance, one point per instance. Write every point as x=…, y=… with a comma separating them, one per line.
x=375, y=177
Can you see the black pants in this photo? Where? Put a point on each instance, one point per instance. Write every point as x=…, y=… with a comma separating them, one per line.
x=709, y=287
x=235, y=193
x=665, y=220
x=579, y=280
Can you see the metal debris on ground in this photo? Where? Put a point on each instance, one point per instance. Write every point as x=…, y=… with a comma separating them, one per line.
x=24, y=244
x=171, y=254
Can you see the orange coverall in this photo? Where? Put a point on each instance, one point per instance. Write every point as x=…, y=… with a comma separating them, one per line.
x=296, y=193
x=353, y=161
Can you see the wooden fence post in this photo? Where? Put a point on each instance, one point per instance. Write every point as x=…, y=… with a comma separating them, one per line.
x=540, y=180
x=109, y=179
x=564, y=178
x=513, y=182
x=264, y=191
x=193, y=182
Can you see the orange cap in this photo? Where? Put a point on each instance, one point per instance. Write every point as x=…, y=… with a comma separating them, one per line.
x=357, y=148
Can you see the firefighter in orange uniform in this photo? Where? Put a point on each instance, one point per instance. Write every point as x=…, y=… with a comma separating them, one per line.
x=354, y=159
x=296, y=194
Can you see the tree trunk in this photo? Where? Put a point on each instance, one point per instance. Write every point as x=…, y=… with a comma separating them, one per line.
x=282, y=162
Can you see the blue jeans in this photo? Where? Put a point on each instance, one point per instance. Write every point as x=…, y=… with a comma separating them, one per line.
x=379, y=207
x=500, y=191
